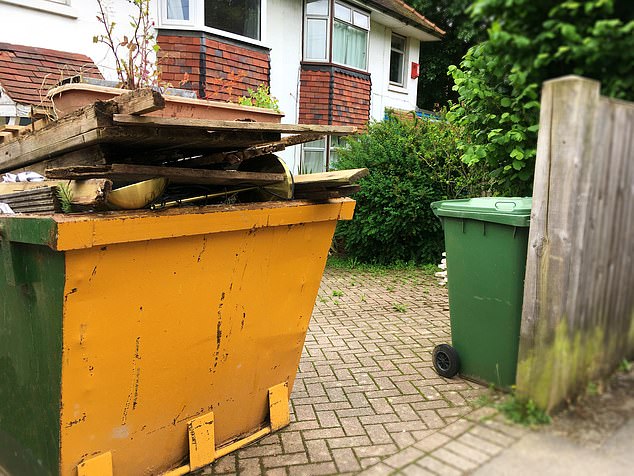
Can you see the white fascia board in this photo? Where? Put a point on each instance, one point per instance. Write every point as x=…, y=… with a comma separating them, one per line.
x=401, y=28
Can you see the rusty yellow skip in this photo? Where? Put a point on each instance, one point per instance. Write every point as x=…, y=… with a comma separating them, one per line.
x=146, y=343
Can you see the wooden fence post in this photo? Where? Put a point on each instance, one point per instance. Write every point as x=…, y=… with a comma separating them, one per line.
x=578, y=313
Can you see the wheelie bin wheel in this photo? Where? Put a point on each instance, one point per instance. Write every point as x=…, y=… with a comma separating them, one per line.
x=446, y=360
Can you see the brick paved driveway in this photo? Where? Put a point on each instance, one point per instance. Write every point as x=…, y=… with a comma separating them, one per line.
x=366, y=399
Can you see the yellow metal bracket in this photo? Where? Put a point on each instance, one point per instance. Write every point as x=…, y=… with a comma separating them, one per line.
x=97, y=466
x=201, y=433
x=278, y=406
x=202, y=442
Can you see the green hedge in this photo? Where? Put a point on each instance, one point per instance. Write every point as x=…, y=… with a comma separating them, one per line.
x=412, y=163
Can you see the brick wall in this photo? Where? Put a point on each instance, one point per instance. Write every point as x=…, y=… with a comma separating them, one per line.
x=314, y=97
x=351, y=99
x=332, y=95
x=215, y=69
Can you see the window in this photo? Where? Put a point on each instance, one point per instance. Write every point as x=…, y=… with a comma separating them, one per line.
x=314, y=156
x=237, y=19
x=397, y=60
x=241, y=17
x=349, y=35
x=178, y=10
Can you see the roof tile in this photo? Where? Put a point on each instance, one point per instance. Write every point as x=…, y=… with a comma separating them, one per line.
x=26, y=73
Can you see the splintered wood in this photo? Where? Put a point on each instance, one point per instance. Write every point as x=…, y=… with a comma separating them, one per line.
x=113, y=140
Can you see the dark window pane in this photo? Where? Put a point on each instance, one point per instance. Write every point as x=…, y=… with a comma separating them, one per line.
x=241, y=17
x=396, y=67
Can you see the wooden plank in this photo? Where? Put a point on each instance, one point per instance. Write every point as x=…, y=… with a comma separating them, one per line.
x=213, y=125
x=337, y=192
x=91, y=155
x=174, y=174
x=238, y=156
x=42, y=199
x=62, y=135
x=84, y=192
x=329, y=179
x=139, y=144
x=140, y=101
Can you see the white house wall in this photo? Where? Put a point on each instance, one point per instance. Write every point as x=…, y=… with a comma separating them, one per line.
x=284, y=37
x=385, y=95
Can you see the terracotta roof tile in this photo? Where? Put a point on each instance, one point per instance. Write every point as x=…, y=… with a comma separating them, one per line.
x=26, y=73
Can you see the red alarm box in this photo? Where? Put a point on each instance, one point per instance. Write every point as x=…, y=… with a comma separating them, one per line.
x=415, y=70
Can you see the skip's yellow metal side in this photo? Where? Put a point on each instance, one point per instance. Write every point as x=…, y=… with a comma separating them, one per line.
x=159, y=331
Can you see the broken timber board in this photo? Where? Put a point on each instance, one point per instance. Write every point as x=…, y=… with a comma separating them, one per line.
x=31, y=149
x=91, y=155
x=84, y=192
x=59, y=136
x=213, y=125
x=338, y=192
x=66, y=134
x=237, y=156
x=174, y=174
x=329, y=179
x=140, y=101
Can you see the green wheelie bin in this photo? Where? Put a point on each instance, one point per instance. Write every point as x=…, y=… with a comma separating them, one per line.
x=486, y=240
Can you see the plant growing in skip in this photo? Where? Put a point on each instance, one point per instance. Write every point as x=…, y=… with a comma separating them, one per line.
x=412, y=163
x=134, y=55
x=530, y=41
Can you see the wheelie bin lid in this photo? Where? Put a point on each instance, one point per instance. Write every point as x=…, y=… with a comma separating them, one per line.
x=513, y=211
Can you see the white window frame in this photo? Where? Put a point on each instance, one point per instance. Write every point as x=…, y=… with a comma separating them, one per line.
x=62, y=7
x=197, y=22
x=326, y=18
x=164, y=21
x=404, y=60
x=330, y=32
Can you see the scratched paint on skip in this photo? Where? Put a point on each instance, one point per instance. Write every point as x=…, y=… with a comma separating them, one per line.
x=203, y=248
x=219, y=329
x=133, y=396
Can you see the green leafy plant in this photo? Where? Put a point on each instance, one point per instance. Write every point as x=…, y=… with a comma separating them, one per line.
x=625, y=365
x=65, y=197
x=412, y=163
x=261, y=97
x=134, y=55
x=399, y=307
x=530, y=41
x=524, y=412
x=337, y=293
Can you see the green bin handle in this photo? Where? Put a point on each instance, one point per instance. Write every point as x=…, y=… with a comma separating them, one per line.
x=507, y=202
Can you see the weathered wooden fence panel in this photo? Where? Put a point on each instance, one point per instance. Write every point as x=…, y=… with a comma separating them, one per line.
x=578, y=314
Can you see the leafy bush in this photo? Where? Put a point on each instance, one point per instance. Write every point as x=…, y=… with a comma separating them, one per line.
x=412, y=163
x=529, y=42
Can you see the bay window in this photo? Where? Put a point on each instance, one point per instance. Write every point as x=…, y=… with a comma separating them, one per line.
x=348, y=34
x=235, y=18
x=241, y=17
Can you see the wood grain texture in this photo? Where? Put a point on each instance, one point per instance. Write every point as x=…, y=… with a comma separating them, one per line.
x=578, y=312
x=214, y=125
x=174, y=174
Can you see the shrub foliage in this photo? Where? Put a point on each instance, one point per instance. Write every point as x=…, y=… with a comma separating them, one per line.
x=530, y=41
x=412, y=163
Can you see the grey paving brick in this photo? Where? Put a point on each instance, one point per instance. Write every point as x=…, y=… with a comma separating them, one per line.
x=404, y=457
x=438, y=467
x=346, y=460
x=481, y=444
x=318, y=451
x=315, y=469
